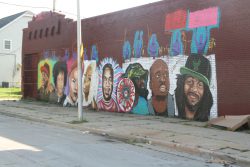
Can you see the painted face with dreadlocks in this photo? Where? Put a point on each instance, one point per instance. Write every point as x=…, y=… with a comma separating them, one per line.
x=193, y=91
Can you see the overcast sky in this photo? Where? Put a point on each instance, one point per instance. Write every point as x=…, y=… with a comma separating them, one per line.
x=88, y=8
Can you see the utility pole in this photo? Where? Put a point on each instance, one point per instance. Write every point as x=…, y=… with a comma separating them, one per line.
x=54, y=5
x=79, y=65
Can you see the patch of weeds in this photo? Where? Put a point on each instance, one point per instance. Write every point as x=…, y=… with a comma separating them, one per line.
x=173, y=141
x=207, y=126
x=131, y=141
x=172, y=135
x=186, y=123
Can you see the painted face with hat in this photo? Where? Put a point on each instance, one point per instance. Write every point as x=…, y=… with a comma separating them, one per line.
x=197, y=73
x=139, y=76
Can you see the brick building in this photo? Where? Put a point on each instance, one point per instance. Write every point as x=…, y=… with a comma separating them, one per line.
x=169, y=30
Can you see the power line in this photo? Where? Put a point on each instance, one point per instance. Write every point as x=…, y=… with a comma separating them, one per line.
x=38, y=7
x=26, y=6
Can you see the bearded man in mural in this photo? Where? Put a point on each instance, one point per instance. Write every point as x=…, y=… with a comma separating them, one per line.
x=46, y=87
x=107, y=103
x=139, y=77
x=193, y=97
x=71, y=99
x=160, y=102
x=60, y=79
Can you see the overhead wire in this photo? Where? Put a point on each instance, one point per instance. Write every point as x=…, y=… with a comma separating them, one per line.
x=27, y=6
x=38, y=7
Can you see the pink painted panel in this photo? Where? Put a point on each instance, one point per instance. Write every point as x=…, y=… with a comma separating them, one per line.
x=202, y=18
x=175, y=20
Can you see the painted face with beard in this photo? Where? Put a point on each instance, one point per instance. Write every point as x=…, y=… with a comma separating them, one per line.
x=107, y=78
x=140, y=87
x=60, y=84
x=193, y=91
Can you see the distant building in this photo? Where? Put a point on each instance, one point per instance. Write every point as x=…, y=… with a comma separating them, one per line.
x=11, y=34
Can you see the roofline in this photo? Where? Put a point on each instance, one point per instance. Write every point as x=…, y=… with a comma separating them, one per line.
x=27, y=13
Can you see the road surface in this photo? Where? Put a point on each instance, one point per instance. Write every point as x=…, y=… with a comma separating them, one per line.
x=29, y=144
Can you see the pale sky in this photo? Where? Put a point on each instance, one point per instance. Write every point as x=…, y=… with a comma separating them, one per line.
x=68, y=7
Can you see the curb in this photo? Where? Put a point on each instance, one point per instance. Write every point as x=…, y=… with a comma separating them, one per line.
x=208, y=154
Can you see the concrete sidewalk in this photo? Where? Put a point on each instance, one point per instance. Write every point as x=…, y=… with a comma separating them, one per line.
x=181, y=135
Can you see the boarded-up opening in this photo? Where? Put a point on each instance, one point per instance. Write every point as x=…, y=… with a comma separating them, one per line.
x=30, y=75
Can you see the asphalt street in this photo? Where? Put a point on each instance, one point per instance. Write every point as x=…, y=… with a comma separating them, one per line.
x=26, y=144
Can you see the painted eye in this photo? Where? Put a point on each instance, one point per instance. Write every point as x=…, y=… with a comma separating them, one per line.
x=200, y=84
x=158, y=75
x=189, y=81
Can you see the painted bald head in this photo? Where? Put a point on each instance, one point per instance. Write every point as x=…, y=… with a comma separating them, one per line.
x=159, y=78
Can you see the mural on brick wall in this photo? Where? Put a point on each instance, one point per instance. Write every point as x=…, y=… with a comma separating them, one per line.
x=89, y=84
x=71, y=89
x=196, y=88
x=176, y=78
x=138, y=44
x=60, y=78
x=57, y=78
x=109, y=74
x=181, y=84
x=94, y=53
x=139, y=77
x=45, y=77
x=159, y=85
x=125, y=95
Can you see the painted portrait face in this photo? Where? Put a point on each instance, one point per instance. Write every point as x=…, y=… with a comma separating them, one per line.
x=45, y=79
x=107, y=86
x=87, y=80
x=73, y=84
x=60, y=83
x=193, y=90
x=159, y=81
x=140, y=82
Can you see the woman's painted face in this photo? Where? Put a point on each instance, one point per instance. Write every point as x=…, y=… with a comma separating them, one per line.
x=45, y=79
x=60, y=83
x=87, y=80
x=73, y=84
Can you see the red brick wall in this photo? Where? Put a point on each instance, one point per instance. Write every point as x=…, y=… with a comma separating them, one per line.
x=109, y=31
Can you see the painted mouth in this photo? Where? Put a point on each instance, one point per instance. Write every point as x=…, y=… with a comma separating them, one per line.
x=193, y=96
x=163, y=88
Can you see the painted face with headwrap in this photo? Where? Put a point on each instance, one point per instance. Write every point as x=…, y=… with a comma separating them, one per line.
x=139, y=76
x=45, y=75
